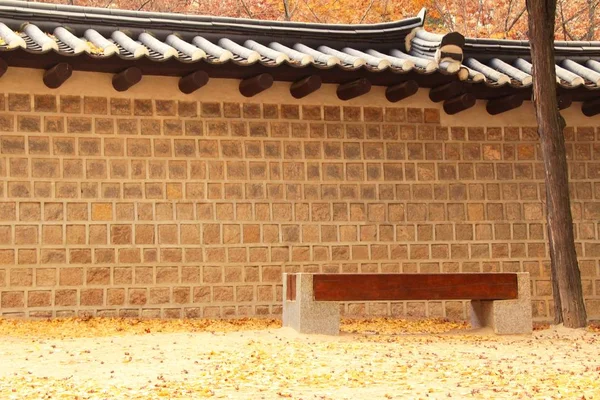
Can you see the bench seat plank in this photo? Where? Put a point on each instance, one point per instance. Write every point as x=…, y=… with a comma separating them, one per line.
x=374, y=287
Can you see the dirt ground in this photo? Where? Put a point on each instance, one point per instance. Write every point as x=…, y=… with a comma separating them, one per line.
x=256, y=359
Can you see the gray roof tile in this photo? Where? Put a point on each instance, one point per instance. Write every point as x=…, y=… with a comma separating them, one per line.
x=399, y=46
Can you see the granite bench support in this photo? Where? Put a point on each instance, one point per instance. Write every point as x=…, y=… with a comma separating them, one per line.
x=500, y=301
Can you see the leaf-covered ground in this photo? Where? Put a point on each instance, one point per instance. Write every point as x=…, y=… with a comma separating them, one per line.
x=256, y=359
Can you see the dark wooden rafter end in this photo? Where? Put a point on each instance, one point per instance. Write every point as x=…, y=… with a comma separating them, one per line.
x=126, y=79
x=305, y=86
x=57, y=75
x=353, y=89
x=504, y=104
x=443, y=87
x=459, y=103
x=591, y=108
x=3, y=67
x=401, y=91
x=564, y=101
x=445, y=91
x=192, y=82
x=252, y=86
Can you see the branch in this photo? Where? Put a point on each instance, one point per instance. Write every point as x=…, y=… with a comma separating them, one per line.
x=591, y=26
x=517, y=18
x=286, y=11
x=287, y=14
x=578, y=14
x=385, y=11
x=464, y=16
x=447, y=20
x=294, y=9
x=562, y=18
x=510, y=3
x=144, y=4
x=566, y=34
x=367, y=12
x=479, y=18
x=246, y=9
x=311, y=11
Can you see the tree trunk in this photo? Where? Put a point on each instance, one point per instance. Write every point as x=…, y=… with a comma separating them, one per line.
x=565, y=270
x=558, y=317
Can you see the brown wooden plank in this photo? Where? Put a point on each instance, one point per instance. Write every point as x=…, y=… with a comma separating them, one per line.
x=365, y=287
x=291, y=287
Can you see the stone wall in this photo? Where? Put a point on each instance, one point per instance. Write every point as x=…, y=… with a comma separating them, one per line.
x=153, y=204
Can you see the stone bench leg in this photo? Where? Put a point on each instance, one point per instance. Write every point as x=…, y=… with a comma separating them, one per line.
x=303, y=313
x=506, y=317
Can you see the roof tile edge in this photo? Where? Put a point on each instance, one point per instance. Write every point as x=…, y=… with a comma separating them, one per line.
x=77, y=17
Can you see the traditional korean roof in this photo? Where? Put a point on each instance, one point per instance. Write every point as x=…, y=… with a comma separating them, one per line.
x=103, y=34
x=400, y=55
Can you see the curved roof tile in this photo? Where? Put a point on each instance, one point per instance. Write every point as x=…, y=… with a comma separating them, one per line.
x=132, y=35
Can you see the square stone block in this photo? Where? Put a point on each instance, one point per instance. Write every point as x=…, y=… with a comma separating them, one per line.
x=506, y=317
x=306, y=315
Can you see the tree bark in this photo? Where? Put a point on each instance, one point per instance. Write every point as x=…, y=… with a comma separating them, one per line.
x=558, y=317
x=565, y=269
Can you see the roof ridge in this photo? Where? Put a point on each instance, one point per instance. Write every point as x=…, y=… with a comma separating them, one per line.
x=487, y=48
x=525, y=42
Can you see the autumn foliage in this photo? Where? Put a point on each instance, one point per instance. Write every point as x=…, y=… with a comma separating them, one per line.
x=502, y=19
x=106, y=358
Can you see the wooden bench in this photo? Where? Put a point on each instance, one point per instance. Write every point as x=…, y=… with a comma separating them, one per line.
x=501, y=301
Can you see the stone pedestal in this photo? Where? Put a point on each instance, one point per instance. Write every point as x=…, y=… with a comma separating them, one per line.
x=506, y=317
x=306, y=315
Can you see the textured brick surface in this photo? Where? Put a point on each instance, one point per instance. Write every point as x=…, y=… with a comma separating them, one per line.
x=155, y=207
